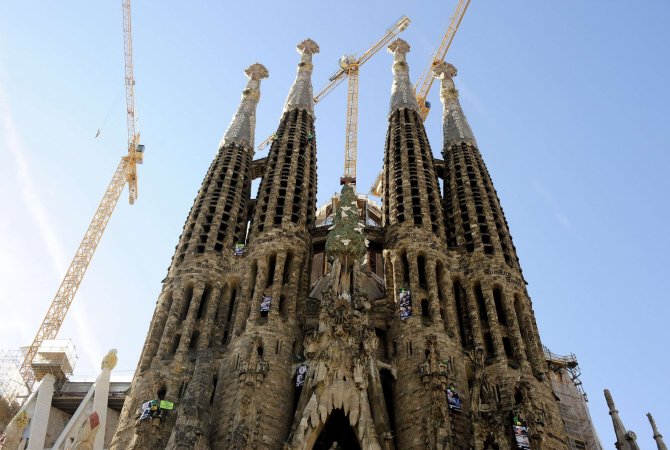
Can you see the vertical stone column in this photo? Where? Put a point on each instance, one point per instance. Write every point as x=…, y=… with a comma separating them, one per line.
x=431, y=279
x=101, y=397
x=40, y=419
x=208, y=328
x=494, y=325
x=513, y=325
x=658, y=437
x=450, y=306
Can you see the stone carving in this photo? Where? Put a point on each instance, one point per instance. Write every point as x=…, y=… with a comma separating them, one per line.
x=402, y=94
x=342, y=351
x=433, y=371
x=243, y=125
x=346, y=243
x=301, y=95
x=455, y=126
x=110, y=360
x=253, y=369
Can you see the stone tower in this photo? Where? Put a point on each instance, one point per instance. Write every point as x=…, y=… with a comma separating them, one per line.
x=413, y=330
x=193, y=315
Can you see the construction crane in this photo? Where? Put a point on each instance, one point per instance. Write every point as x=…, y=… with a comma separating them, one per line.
x=349, y=67
x=425, y=81
x=126, y=173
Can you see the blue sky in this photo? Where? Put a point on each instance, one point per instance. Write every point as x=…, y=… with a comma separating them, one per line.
x=568, y=101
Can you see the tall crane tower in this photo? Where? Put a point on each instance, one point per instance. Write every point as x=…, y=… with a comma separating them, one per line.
x=349, y=67
x=425, y=81
x=126, y=173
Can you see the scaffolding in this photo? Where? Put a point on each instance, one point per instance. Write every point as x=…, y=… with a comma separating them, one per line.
x=54, y=356
x=13, y=390
x=566, y=384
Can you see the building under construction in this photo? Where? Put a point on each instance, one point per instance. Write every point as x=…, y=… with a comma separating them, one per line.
x=400, y=326
x=564, y=374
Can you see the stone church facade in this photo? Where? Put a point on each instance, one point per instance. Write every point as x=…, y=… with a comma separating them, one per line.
x=410, y=331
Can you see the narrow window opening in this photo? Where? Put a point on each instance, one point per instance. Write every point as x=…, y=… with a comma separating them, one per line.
x=425, y=309
x=461, y=312
x=421, y=263
x=271, y=270
x=388, y=382
x=282, y=306
x=175, y=343
x=188, y=296
x=161, y=393
x=488, y=345
x=405, y=268
x=499, y=302
x=195, y=337
x=481, y=303
x=507, y=345
x=214, y=383
x=287, y=268
x=204, y=301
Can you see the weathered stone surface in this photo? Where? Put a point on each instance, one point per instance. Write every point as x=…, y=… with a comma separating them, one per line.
x=387, y=320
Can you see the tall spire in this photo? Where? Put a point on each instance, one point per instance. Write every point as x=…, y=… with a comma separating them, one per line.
x=301, y=95
x=242, y=127
x=402, y=94
x=625, y=440
x=657, y=436
x=454, y=123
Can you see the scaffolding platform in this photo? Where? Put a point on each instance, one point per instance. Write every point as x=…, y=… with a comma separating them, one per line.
x=54, y=356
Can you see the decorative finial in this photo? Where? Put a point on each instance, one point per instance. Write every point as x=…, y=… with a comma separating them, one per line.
x=242, y=127
x=658, y=437
x=308, y=47
x=402, y=94
x=610, y=401
x=301, y=94
x=256, y=72
x=399, y=48
x=455, y=127
x=110, y=360
x=625, y=440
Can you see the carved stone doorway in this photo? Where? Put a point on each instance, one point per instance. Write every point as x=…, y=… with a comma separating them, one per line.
x=337, y=429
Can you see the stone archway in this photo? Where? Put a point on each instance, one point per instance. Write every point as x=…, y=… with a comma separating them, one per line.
x=348, y=406
x=337, y=430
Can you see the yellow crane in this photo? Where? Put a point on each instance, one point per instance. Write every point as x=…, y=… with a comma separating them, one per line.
x=349, y=66
x=126, y=173
x=425, y=81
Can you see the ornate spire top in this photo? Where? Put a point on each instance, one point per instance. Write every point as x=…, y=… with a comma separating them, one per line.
x=242, y=127
x=455, y=126
x=625, y=440
x=657, y=436
x=402, y=94
x=301, y=95
x=110, y=360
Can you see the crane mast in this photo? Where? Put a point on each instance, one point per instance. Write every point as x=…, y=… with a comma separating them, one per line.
x=126, y=172
x=425, y=81
x=349, y=66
